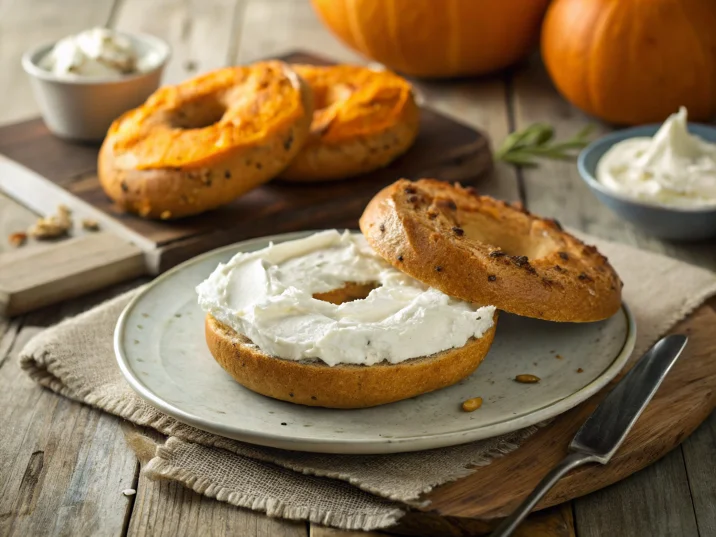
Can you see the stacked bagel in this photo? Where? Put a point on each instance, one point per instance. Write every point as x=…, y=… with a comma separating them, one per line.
x=469, y=249
x=198, y=145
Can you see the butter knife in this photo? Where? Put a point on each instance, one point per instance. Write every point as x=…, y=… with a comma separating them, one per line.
x=605, y=430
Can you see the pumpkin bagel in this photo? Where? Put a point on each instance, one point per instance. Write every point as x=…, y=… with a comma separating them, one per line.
x=199, y=145
x=486, y=251
x=341, y=386
x=363, y=120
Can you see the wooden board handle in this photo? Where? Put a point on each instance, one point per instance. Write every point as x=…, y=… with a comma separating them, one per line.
x=49, y=273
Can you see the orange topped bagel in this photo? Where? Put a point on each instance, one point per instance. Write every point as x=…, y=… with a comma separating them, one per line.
x=202, y=143
x=486, y=251
x=363, y=120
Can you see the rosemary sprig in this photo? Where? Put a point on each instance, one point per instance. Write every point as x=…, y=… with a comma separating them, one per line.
x=525, y=147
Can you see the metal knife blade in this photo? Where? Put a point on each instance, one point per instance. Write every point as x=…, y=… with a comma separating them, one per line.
x=607, y=427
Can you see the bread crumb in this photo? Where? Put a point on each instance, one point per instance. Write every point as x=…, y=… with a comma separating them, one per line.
x=129, y=492
x=90, y=224
x=558, y=356
x=52, y=226
x=580, y=370
x=166, y=215
x=17, y=239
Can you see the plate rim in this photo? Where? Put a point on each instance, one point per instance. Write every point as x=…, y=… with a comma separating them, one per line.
x=353, y=446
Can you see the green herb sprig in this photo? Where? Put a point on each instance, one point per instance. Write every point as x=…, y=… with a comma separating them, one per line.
x=525, y=147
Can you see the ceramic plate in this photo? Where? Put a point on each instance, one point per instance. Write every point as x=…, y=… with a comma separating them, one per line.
x=161, y=350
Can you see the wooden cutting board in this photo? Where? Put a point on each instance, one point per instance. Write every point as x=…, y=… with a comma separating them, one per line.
x=129, y=246
x=475, y=504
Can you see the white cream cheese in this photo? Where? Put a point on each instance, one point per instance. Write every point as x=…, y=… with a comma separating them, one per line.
x=268, y=296
x=674, y=168
x=92, y=53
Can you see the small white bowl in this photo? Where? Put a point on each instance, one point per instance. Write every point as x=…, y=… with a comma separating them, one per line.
x=81, y=107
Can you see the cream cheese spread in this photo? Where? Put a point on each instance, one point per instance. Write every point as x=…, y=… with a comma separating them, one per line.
x=267, y=295
x=92, y=53
x=674, y=168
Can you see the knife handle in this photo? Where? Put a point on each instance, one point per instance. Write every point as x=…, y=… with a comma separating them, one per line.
x=571, y=461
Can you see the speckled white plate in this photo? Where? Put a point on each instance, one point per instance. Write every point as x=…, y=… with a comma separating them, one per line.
x=161, y=350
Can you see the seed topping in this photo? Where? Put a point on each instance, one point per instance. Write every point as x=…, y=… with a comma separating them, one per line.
x=472, y=404
x=527, y=379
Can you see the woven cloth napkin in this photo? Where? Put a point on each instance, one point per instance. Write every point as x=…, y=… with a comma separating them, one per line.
x=76, y=360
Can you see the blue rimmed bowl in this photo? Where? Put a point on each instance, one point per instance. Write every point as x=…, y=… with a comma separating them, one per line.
x=671, y=223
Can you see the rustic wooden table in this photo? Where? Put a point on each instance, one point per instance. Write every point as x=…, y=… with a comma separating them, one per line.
x=63, y=465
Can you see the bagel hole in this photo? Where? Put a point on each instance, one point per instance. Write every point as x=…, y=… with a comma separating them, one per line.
x=198, y=114
x=348, y=293
x=514, y=242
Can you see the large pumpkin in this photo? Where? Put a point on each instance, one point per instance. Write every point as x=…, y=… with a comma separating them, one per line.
x=633, y=61
x=437, y=38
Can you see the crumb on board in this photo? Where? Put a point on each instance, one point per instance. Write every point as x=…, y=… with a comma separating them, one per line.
x=527, y=379
x=52, y=226
x=17, y=239
x=472, y=404
x=129, y=492
x=580, y=370
x=90, y=225
x=558, y=356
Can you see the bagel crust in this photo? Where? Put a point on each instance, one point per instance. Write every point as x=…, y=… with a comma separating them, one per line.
x=363, y=120
x=341, y=386
x=193, y=147
x=486, y=251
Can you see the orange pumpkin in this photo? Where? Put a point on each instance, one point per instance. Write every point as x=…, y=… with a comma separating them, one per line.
x=633, y=61
x=437, y=38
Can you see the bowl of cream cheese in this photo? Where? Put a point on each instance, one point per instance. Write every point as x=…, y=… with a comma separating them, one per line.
x=85, y=81
x=661, y=178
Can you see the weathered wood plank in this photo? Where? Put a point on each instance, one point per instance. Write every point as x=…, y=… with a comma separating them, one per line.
x=700, y=459
x=483, y=106
x=63, y=465
x=654, y=502
x=9, y=329
x=274, y=27
x=26, y=23
x=200, y=32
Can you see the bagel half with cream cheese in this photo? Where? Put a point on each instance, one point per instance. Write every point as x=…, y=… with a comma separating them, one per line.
x=324, y=321
x=198, y=145
x=314, y=383
x=486, y=251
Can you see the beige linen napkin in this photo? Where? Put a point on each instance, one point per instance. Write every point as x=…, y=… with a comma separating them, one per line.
x=76, y=359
